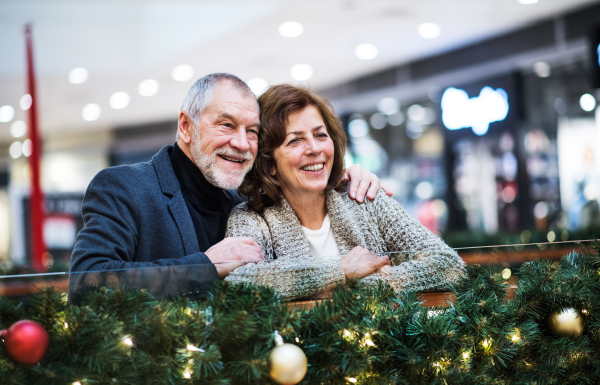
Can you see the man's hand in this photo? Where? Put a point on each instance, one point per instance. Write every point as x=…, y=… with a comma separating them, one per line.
x=360, y=262
x=231, y=253
x=362, y=180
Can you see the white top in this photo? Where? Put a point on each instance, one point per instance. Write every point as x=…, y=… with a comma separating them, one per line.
x=322, y=243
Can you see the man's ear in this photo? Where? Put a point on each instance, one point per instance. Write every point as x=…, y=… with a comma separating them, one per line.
x=185, y=127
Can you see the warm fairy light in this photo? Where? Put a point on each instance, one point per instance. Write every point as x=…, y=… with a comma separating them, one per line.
x=373, y=316
x=346, y=333
x=369, y=342
x=297, y=340
x=352, y=379
x=192, y=348
x=128, y=341
x=486, y=343
x=584, y=311
x=515, y=338
x=66, y=325
x=77, y=383
x=465, y=355
x=187, y=374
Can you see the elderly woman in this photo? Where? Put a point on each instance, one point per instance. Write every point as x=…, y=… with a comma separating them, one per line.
x=299, y=212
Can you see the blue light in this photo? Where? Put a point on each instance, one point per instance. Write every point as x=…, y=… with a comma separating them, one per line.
x=598, y=54
x=458, y=111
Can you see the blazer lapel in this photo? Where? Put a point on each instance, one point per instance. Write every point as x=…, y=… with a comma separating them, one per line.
x=182, y=218
x=170, y=187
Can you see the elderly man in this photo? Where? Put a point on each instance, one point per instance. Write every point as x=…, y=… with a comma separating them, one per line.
x=172, y=211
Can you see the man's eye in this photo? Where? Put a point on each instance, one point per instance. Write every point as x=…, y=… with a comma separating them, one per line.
x=228, y=125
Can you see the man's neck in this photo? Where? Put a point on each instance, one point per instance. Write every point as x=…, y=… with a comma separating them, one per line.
x=309, y=208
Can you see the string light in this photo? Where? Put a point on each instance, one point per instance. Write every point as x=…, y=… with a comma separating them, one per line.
x=66, y=325
x=465, y=355
x=128, y=341
x=187, y=374
x=352, y=380
x=369, y=342
x=515, y=337
x=192, y=348
x=297, y=340
x=486, y=343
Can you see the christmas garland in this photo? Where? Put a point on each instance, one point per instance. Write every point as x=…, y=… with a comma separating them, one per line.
x=549, y=334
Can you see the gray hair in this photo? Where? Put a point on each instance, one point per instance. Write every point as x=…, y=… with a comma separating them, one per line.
x=201, y=93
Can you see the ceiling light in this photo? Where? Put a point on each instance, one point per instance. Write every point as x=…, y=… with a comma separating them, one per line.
x=26, y=148
x=15, y=150
x=291, y=29
x=366, y=51
x=388, y=106
x=91, y=112
x=358, y=128
x=78, y=75
x=301, y=72
x=6, y=113
x=429, y=30
x=182, y=73
x=25, y=102
x=542, y=69
x=119, y=100
x=587, y=102
x=527, y=1
x=257, y=85
x=148, y=87
x=18, y=129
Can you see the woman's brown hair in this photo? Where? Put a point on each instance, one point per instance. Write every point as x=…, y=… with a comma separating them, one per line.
x=276, y=105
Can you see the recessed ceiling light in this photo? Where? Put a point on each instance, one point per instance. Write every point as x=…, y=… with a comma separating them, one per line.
x=18, y=129
x=78, y=75
x=429, y=30
x=15, y=150
x=6, y=113
x=301, y=72
x=26, y=148
x=119, y=100
x=291, y=29
x=257, y=85
x=148, y=87
x=182, y=73
x=366, y=51
x=542, y=69
x=91, y=112
x=25, y=102
x=587, y=102
x=527, y=1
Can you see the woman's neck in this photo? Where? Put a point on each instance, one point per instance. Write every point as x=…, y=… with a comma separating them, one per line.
x=309, y=208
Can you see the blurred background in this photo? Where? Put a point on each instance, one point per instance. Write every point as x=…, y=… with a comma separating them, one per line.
x=481, y=115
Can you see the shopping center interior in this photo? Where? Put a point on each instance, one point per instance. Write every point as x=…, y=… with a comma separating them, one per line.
x=480, y=116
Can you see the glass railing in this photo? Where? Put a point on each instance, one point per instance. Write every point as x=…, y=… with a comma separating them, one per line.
x=194, y=281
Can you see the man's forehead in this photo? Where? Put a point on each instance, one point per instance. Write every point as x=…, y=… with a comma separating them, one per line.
x=229, y=97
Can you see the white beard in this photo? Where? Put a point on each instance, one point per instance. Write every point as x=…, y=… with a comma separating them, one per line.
x=215, y=173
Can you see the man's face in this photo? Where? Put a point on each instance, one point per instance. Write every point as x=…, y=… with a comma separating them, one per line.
x=225, y=144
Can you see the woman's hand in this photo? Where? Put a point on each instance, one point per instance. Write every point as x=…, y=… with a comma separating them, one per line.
x=360, y=262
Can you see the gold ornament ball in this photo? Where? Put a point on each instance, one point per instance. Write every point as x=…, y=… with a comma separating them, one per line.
x=288, y=364
x=566, y=323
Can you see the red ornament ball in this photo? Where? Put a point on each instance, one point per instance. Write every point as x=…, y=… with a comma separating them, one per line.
x=26, y=342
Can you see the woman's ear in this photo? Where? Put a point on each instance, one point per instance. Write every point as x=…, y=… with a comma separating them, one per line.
x=273, y=171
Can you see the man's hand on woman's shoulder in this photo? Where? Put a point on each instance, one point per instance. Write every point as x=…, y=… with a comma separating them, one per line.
x=363, y=182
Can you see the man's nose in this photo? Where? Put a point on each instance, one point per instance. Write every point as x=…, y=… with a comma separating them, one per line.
x=239, y=141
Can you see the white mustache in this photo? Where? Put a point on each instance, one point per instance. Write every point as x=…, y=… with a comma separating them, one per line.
x=247, y=155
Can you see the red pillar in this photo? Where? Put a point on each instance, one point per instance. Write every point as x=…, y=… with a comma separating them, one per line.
x=36, y=200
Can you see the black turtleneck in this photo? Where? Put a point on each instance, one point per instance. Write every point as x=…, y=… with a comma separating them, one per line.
x=209, y=206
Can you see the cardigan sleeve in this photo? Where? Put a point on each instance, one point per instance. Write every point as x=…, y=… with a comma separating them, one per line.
x=292, y=277
x=423, y=262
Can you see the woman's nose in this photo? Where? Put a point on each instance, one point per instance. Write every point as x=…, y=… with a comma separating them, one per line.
x=312, y=148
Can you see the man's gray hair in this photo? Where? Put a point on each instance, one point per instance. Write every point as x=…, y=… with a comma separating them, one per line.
x=201, y=93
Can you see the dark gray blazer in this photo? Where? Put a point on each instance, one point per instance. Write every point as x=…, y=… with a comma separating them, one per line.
x=135, y=217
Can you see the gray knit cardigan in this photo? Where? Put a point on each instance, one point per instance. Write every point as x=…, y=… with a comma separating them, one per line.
x=423, y=262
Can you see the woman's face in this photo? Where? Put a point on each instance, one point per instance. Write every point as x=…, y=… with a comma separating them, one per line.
x=303, y=162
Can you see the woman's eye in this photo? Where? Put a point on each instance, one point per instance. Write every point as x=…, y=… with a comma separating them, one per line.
x=322, y=135
x=293, y=141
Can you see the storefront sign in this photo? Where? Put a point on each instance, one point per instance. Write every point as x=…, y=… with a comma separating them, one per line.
x=460, y=111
